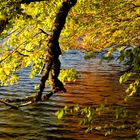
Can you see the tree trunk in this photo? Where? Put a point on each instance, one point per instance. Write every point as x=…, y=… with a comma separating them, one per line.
x=52, y=59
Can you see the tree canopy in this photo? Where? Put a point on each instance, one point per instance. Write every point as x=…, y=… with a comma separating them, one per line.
x=90, y=25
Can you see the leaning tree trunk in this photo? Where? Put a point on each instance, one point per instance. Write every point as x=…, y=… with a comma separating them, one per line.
x=52, y=59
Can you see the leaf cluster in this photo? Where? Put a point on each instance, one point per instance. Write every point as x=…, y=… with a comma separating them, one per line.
x=25, y=45
x=103, y=119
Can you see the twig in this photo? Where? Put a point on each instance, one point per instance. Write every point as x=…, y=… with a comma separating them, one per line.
x=47, y=33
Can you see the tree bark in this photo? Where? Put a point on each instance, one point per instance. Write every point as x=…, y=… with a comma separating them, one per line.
x=52, y=59
x=3, y=24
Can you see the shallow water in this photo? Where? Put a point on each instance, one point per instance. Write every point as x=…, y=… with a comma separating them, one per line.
x=95, y=84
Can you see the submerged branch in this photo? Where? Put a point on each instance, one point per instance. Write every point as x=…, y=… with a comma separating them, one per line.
x=24, y=101
x=8, y=104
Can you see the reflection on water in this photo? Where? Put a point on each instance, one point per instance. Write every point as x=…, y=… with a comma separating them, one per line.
x=95, y=84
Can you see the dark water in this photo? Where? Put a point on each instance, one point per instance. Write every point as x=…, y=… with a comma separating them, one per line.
x=95, y=84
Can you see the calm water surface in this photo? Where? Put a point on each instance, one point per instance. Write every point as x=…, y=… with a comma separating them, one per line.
x=95, y=84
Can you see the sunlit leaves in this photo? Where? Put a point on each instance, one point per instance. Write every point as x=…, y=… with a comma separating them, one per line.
x=130, y=57
x=125, y=77
x=101, y=24
x=93, y=119
x=25, y=44
x=68, y=75
x=9, y=10
x=60, y=114
x=132, y=89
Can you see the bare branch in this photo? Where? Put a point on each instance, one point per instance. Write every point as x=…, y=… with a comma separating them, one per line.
x=10, y=105
x=136, y=6
x=25, y=55
x=28, y=100
x=46, y=33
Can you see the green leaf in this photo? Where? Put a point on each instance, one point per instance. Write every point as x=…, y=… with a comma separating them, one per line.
x=98, y=127
x=125, y=77
x=60, y=114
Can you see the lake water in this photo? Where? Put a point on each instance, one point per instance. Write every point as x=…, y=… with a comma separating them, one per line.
x=95, y=84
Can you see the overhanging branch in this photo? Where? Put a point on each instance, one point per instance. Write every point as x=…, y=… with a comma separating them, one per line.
x=53, y=64
x=52, y=59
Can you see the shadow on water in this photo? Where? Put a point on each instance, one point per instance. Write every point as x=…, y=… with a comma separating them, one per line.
x=95, y=84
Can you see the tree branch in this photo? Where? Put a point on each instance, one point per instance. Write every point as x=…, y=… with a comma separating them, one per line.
x=27, y=101
x=52, y=59
x=10, y=105
x=136, y=6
